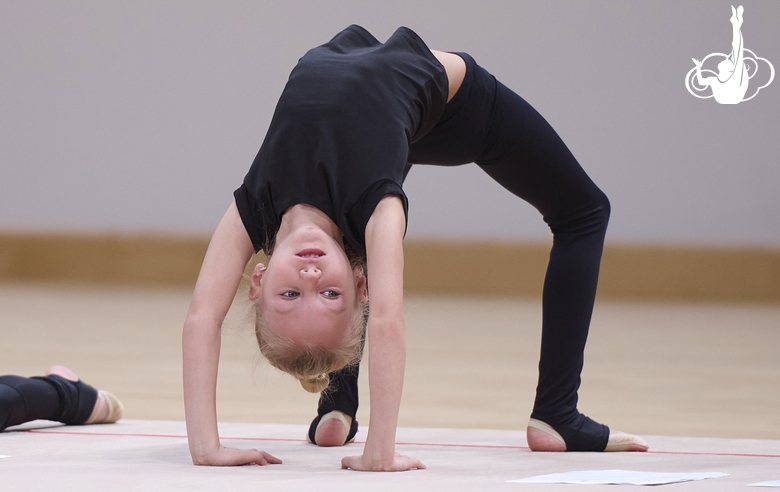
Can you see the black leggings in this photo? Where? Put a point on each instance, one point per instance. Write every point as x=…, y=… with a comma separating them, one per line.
x=49, y=398
x=488, y=124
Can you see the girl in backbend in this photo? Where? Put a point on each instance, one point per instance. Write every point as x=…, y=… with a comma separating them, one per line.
x=324, y=195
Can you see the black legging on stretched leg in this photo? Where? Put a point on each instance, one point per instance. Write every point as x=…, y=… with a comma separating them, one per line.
x=489, y=124
x=50, y=398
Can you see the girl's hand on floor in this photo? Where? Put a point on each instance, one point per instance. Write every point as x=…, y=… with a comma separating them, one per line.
x=400, y=463
x=232, y=457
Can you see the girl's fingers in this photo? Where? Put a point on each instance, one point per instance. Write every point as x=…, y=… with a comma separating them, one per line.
x=270, y=459
x=407, y=463
x=237, y=457
x=350, y=462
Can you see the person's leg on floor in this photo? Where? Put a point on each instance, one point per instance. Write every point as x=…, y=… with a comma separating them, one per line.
x=25, y=399
x=59, y=396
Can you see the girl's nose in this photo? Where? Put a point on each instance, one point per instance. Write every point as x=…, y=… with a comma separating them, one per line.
x=310, y=271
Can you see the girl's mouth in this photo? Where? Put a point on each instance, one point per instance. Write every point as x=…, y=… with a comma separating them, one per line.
x=310, y=253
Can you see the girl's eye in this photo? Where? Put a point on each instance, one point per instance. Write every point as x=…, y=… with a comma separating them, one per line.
x=330, y=293
x=290, y=294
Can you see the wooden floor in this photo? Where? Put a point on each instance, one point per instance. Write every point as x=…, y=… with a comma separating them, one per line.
x=134, y=455
x=706, y=370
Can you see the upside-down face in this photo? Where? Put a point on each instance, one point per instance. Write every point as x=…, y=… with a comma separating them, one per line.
x=309, y=291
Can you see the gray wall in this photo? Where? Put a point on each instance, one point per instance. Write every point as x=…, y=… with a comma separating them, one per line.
x=144, y=116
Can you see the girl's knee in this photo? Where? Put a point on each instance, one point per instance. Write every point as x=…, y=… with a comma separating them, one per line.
x=604, y=207
x=601, y=210
x=583, y=218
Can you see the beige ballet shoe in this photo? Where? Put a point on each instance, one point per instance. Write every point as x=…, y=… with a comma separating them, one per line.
x=542, y=437
x=550, y=440
x=62, y=371
x=108, y=409
x=620, y=441
x=331, y=439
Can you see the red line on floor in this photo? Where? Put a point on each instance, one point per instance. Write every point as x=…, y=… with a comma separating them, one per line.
x=176, y=436
x=704, y=453
x=400, y=443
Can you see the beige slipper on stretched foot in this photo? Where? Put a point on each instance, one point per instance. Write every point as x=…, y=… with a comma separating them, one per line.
x=620, y=441
x=542, y=437
x=108, y=409
x=331, y=416
x=550, y=440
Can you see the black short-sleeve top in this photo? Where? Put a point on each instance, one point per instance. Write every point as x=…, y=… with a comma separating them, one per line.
x=340, y=135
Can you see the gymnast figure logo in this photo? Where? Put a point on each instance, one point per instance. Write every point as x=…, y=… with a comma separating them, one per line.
x=730, y=84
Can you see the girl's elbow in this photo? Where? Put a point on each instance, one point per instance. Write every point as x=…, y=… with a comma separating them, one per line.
x=392, y=327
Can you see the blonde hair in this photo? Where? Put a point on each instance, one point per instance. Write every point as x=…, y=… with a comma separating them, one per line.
x=310, y=365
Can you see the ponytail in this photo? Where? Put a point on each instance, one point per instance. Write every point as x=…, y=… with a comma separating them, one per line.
x=315, y=384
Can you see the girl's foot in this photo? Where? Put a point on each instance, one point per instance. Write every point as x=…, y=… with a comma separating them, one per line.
x=542, y=437
x=63, y=372
x=333, y=430
x=108, y=409
x=620, y=441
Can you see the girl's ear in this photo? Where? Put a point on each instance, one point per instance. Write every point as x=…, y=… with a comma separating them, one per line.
x=257, y=276
x=361, y=283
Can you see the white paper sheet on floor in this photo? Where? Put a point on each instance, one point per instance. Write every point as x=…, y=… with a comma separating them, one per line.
x=618, y=477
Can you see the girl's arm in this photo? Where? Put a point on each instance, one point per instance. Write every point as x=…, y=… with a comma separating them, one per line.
x=227, y=255
x=386, y=339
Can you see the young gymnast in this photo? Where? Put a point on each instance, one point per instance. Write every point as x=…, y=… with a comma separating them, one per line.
x=60, y=396
x=325, y=189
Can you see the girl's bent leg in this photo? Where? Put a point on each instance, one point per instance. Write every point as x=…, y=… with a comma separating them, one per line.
x=489, y=124
x=529, y=159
